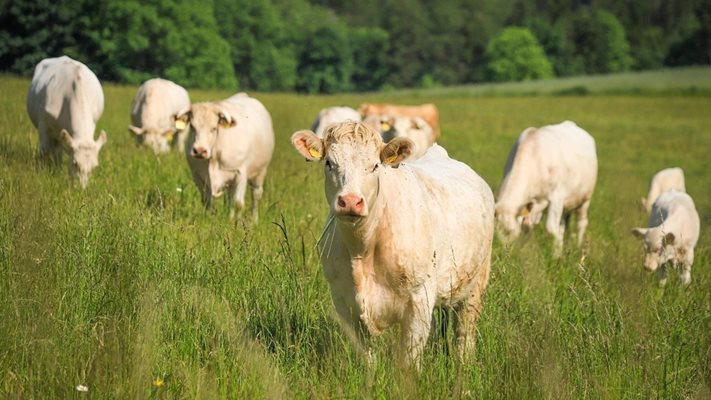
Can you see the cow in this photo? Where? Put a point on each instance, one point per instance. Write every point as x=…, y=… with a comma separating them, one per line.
x=64, y=102
x=555, y=168
x=401, y=239
x=666, y=179
x=333, y=115
x=153, y=112
x=230, y=144
x=413, y=128
x=671, y=235
x=427, y=112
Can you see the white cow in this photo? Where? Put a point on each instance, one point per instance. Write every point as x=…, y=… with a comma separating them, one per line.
x=333, y=115
x=413, y=128
x=64, y=102
x=401, y=239
x=230, y=144
x=552, y=167
x=666, y=179
x=153, y=113
x=671, y=236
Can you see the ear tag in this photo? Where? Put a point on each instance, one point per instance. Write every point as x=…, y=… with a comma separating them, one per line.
x=314, y=152
x=168, y=136
x=391, y=159
x=385, y=127
x=179, y=124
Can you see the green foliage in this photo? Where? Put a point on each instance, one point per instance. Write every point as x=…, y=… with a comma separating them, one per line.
x=274, y=45
x=516, y=55
x=600, y=42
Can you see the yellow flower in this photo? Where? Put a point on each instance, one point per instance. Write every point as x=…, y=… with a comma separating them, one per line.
x=158, y=382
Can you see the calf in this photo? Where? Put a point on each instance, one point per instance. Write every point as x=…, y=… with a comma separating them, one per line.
x=333, y=115
x=671, y=236
x=666, y=179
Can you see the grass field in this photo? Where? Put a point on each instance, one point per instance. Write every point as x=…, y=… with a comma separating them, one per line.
x=133, y=290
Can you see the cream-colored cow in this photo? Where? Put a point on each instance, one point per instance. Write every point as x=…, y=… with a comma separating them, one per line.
x=413, y=128
x=64, y=102
x=230, y=145
x=666, y=179
x=553, y=167
x=671, y=236
x=401, y=239
x=333, y=115
x=153, y=111
x=428, y=112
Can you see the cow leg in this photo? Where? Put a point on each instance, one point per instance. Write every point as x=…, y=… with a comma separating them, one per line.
x=203, y=188
x=468, y=313
x=582, y=221
x=662, y=275
x=415, y=327
x=554, y=226
x=257, y=185
x=685, y=272
x=238, y=195
x=45, y=143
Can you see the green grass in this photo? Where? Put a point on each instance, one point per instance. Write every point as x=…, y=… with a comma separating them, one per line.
x=131, y=280
x=689, y=81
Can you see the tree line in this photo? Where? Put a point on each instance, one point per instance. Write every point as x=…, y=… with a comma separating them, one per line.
x=327, y=46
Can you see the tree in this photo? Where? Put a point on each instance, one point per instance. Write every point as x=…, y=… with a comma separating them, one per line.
x=600, y=41
x=516, y=55
x=371, y=53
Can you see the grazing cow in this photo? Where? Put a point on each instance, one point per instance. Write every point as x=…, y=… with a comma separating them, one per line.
x=666, y=179
x=153, y=113
x=333, y=115
x=428, y=112
x=552, y=167
x=413, y=128
x=401, y=239
x=230, y=144
x=64, y=102
x=671, y=236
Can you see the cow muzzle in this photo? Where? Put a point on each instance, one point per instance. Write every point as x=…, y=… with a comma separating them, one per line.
x=351, y=205
x=199, y=152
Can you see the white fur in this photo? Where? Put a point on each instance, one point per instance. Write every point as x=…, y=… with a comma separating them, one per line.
x=666, y=179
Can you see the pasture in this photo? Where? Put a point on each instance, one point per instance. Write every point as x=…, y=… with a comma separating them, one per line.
x=132, y=289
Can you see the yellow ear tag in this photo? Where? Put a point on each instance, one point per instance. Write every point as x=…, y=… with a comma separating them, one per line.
x=179, y=124
x=314, y=153
x=385, y=127
x=168, y=136
x=391, y=159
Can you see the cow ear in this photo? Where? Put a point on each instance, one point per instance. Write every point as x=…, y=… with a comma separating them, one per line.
x=226, y=121
x=66, y=140
x=669, y=239
x=639, y=232
x=386, y=123
x=308, y=144
x=182, y=119
x=135, y=130
x=396, y=150
x=526, y=210
x=101, y=140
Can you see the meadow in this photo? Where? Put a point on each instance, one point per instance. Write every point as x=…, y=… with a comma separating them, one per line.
x=133, y=290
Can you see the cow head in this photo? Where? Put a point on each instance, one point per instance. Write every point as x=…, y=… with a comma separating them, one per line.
x=511, y=220
x=658, y=246
x=354, y=156
x=83, y=156
x=158, y=140
x=206, y=120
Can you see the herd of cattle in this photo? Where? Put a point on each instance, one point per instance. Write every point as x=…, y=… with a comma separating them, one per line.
x=388, y=185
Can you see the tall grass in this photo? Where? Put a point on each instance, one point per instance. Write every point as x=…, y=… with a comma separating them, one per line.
x=132, y=289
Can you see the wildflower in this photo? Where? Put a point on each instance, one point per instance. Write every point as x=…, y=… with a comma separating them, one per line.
x=82, y=388
x=179, y=190
x=158, y=382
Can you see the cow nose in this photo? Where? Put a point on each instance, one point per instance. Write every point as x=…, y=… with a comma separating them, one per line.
x=199, y=152
x=351, y=204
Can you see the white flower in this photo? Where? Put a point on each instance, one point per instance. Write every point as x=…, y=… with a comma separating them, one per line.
x=179, y=190
x=82, y=388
